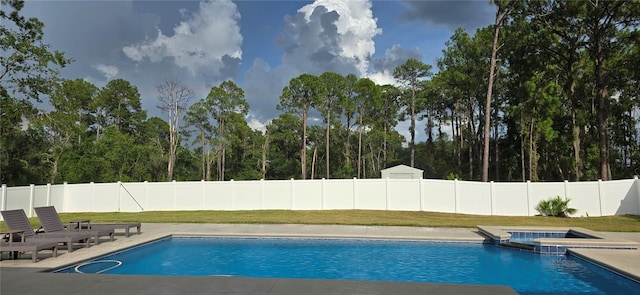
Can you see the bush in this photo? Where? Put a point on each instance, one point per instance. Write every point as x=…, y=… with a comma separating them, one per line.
x=556, y=207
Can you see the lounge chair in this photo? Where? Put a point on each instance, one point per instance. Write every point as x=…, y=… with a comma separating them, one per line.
x=124, y=226
x=51, y=223
x=34, y=245
x=86, y=224
x=17, y=220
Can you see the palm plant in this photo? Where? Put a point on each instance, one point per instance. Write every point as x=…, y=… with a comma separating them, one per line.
x=556, y=207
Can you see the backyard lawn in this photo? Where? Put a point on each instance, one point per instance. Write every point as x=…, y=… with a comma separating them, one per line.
x=621, y=223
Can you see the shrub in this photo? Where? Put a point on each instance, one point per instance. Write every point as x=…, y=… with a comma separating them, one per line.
x=557, y=207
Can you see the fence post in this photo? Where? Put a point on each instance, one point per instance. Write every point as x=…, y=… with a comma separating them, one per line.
x=456, y=195
x=119, y=196
x=528, y=197
x=600, y=195
x=355, y=193
x=387, y=193
x=175, y=194
x=637, y=184
x=48, y=194
x=292, y=194
x=4, y=197
x=146, y=193
x=202, y=194
x=492, y=196
x=65, y=197
x=323, y=193
x=32, y=196
x=421, y=192
x=262, y=194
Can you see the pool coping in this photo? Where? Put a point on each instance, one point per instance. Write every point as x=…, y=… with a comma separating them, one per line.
x=623, y=262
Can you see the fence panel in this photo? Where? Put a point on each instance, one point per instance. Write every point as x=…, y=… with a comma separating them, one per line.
x=338, y=194
x=19, y=198
x=371, y=194
x=510, y=199
x=248, y=195
x=404, y=195
x=218, y=195
x=439, y=196
x=620, y=197
x=474, y=197
x=543, y=191
x=277, y=194
x=132, y=196
x=585, y=197
x=160, y=196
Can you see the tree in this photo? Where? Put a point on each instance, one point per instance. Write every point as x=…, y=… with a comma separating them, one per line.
x=606, y=22
x=298, y=97
x=334, y=88
x=198, y=117
x=504, y=9
x=368, y=98
x=224, y=102
x=283, y=152
x=349, y=108
x=70, y=120
x=386, y=117
x=174, y=97
x=409, y=76
x=28, y=69
x=118, y=104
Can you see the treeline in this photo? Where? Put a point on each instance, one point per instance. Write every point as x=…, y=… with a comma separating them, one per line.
x=562, y=105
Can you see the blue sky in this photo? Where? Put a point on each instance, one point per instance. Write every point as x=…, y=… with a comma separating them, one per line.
x=260, y=45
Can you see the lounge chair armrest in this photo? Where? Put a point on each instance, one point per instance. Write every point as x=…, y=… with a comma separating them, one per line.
x=79, y=224
x=10, y=233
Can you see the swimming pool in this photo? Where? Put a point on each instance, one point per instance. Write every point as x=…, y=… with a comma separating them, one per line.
x=374, y=260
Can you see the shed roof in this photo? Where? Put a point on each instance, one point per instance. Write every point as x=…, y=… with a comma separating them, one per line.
x=402, y=168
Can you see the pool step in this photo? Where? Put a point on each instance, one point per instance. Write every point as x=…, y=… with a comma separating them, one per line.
x=519, y=246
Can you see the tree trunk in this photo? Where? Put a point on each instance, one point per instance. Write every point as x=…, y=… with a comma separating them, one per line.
x=313, y=161
x=360, y=147
x=326, y=140
x=202, y=145
x=487, y=110
x=265, y=148
x=412, y=129
x=303, y=151
x=577, y=165
x=603, y=113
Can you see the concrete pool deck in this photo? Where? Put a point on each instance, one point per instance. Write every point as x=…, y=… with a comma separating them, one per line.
x=21, y=276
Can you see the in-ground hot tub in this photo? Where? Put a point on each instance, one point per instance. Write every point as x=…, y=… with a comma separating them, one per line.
x=552, y=240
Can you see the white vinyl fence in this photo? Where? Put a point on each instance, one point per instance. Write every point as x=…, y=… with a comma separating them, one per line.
x=596, y=198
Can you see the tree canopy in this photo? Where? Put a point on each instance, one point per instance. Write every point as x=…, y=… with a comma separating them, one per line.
x=549, y=91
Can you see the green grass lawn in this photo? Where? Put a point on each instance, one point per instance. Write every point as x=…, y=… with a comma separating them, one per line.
x=622, y=223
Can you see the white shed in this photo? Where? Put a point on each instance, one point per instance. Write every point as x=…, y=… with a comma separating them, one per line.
x=401, y=172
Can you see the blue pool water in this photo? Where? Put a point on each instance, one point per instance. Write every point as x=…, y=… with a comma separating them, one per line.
x=375, y=260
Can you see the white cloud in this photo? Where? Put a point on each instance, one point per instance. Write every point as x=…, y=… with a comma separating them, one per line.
x=255, y=124
x=108, y=71
x=209, y=40
x=355, y=26
x=381, y=70
x=326, y=35
x=382, y=78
